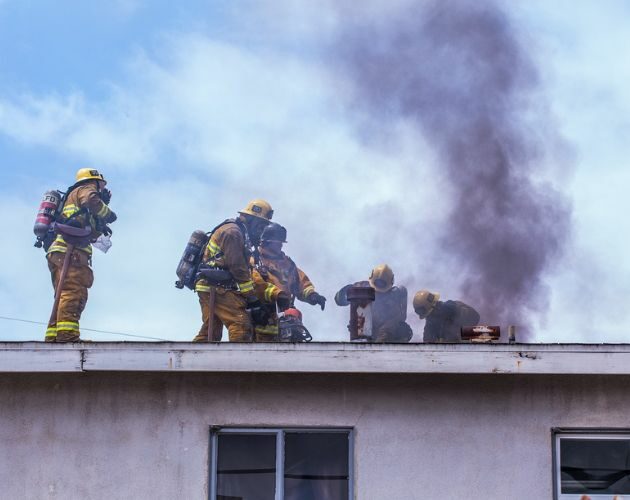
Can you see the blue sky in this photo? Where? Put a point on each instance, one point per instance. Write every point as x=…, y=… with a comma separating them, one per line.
x=192, y=108
x=61, y=47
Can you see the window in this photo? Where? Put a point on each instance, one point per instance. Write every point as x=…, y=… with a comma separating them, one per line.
x=591, y=463
x=280, y=464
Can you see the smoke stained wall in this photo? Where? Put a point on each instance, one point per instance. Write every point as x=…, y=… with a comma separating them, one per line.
x=457, y=71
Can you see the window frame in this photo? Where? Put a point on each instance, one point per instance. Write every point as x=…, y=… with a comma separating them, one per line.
x=279, y=432
x=585, y=433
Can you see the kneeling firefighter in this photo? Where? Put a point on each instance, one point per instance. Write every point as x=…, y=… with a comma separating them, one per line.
x=444, y=320
x=389, y=310
x=224, y=281
x=279, y=281
x=78, y=219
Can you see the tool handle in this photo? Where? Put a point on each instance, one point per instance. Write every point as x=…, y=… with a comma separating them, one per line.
x=59, y=286
x=211, y=302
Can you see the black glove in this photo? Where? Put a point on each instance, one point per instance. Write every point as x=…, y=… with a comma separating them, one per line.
x=283, y=301
x=316, y=299
x=259, y=313
x=106, y=196
x=106, y=231
x=110, y=217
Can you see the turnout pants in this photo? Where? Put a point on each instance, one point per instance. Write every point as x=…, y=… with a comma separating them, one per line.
x=229, y=310
x=269, y=332
x=74, y=295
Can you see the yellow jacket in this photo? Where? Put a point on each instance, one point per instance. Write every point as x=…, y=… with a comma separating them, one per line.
x=278, y=273
x=86, y=201
x=226, y=249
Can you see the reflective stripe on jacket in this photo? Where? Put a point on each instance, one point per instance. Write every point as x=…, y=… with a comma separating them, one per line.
x=279, y=273
x=85, y=201
x=226, y=249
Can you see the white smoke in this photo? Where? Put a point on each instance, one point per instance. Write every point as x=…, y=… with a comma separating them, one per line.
x=199, y=126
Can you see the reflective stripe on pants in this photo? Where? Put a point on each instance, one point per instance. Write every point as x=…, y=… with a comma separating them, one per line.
x=74, y=294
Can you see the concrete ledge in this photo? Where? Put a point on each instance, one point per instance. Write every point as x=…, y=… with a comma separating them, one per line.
x=604, y=359
x=42, y=359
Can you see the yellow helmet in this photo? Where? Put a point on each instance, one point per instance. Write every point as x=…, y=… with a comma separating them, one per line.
x=382, y=278
x=424, y=302
x=258, y=208
x=84, y=174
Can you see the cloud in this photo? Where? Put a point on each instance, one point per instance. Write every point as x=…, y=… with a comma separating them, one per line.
x=186, y=142
x=128, y=7
x=200, y=125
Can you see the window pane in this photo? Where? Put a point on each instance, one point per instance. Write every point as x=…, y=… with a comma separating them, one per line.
x=597, y=466
x=316, y=466
x=246, y=467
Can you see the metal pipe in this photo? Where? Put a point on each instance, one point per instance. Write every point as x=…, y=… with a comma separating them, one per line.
x=481, y=333
x=59, y=285
x=512, y=334
x=212, y=295
x=361, y=299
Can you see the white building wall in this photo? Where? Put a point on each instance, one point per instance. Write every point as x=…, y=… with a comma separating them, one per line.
x=417, y=436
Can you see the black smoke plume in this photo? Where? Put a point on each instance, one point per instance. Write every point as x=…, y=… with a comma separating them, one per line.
x=458, y=72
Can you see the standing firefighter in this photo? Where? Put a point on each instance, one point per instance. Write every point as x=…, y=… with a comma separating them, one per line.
x=444, y=320
x=231, y=301
x=389, y=310
x=279, y=281
x=83, y=218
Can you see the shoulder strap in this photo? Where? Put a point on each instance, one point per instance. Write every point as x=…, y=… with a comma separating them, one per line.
x=245, y=234
x=226, y=221
x=248, y=248
x=62, y=201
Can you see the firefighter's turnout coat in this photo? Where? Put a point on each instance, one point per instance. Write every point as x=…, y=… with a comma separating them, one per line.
x=228, y=249
x=446, y=320
x=275, y=273
x=278, y=273
x=81, y=208
x=389, y=313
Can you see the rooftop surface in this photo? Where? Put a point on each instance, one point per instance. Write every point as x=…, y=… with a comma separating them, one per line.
x=316, y=357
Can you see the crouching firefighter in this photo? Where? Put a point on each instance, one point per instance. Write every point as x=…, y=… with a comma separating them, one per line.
x=81, y=217
x=389, y=311
x=278, y=283
x=444, y=319
x=224, y=281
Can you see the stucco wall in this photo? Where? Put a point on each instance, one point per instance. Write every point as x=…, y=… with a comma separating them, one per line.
x=129, y=435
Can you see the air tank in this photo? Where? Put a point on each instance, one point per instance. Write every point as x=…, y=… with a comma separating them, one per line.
x=188, y=264
x=46, y=213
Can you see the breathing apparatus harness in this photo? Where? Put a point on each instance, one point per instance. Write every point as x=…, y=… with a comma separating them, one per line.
x=210, y=271
x=264, y=272
x=99, y=225
x=51, y=214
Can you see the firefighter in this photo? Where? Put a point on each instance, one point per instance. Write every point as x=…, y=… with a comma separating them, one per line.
x=444, y=320
x=85, y=206
x=229, y=248
x=279, y=281
x=389, y=310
